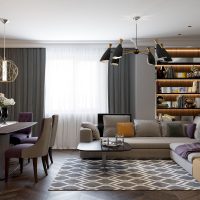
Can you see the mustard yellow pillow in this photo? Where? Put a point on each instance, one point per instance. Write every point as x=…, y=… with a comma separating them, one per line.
x=126, y=129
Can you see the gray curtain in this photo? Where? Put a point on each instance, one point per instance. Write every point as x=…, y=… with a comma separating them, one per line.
x=121, y=86
x=28, y=89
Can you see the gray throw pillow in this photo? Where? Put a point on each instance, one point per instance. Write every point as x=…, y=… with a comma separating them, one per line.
x=175, y=130
x=95, y=130
x=110, y=124
x=147, y=128
x=164, y=125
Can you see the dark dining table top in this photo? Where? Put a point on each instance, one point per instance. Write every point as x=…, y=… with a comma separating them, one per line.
x=9, y=128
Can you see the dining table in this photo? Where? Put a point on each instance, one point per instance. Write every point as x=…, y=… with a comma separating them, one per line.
x=5, y=131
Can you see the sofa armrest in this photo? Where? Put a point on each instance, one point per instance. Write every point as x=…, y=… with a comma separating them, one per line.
x=86, y=135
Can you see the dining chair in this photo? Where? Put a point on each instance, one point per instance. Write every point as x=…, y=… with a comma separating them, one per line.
x=18, y=136
x=33, y=151
x=33, y=140
x=53, y=135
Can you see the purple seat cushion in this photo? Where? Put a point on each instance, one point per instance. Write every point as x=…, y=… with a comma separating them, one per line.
x=17, y=138
x=16, y=151
x=31, y=140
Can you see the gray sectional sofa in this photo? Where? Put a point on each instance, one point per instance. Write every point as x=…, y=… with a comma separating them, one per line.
x=152, y=140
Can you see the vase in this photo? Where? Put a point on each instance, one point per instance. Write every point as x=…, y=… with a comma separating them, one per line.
x=4, y=114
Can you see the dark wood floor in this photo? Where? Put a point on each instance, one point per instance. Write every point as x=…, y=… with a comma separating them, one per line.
x=22, y=186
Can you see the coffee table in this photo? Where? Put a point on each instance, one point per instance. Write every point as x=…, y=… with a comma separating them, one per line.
x=95, y=146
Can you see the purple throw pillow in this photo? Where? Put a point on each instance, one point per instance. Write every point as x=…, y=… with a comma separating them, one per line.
x=190, y=130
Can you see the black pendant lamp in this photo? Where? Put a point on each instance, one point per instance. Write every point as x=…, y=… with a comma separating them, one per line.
x=161, y=52
x=150, y=57
x=106, y=55
x=118, y=51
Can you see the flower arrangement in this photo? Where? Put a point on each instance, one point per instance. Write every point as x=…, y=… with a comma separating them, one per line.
x=4, y=102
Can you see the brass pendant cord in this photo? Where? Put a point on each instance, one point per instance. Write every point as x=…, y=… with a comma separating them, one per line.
x=4, y=42
x=136, y=34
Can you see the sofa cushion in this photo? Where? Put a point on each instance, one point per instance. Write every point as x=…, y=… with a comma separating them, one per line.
x=175, y=130
x=95, y=131
x=147, y=128
x=126, y=129
x=165, y=130
x=110, y=124
x=156, y=142
x=197, y=130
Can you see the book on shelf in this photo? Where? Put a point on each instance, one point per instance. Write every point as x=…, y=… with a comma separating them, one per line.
x=163, y=105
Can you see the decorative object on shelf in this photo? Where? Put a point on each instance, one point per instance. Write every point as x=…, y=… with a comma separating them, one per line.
x=170, y=72
x=161, y=72
x=4, y=103
x=194, y=87
x=160, y=99
x=195, y=72
x=8, y=69
x=161, y=53
x=197, y=102
x=181, y=101
x=190, y=103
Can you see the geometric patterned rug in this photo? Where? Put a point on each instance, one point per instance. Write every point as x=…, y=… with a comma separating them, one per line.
x=77, y=174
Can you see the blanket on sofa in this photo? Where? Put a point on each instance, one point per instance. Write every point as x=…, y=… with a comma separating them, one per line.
x=185, y=149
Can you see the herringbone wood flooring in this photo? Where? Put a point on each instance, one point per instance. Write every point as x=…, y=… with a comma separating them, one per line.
x=22, y=186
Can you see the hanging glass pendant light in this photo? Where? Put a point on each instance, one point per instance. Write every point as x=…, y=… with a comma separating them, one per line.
x=8, y=69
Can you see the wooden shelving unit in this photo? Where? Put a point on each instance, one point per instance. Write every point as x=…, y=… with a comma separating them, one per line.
x=177, y=82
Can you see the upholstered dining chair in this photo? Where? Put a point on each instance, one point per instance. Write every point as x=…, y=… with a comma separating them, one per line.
x=53, y=135
x=33, y=140
x=18, y=136
x=33, y=151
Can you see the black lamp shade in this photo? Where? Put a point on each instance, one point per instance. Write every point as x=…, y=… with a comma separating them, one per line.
x=159, y=51
x=106, y=55
x=150, y=58
x=162, y=53
x=118, y=52
x=167, y=55
x=115, y=62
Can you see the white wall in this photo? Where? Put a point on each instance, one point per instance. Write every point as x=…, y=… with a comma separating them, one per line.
x=144, y=88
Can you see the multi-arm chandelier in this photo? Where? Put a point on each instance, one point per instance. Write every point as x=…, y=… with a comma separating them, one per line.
x=8, y=69
x=161, y=53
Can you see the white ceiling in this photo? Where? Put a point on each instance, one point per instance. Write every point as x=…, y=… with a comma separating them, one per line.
x=98, y=20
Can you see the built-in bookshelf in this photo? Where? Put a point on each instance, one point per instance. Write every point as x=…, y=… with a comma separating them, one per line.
x=178, y=89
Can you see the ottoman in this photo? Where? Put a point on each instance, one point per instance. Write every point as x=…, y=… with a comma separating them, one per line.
x=196, y=169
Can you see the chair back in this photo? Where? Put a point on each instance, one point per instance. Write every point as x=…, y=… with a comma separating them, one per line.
x=25, y=117
x=54, y=129
x=41, y=147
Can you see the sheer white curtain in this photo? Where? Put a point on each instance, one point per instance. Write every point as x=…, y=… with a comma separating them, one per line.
x=75, y=88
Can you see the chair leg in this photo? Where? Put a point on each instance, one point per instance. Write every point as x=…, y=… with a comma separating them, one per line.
x=6, y=168
x=47, y=161
x=44, y=165
x=50, y=154
x=21, y=162
x=35, y=169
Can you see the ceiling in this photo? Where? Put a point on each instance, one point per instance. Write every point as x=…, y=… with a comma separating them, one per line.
x=98, y=20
